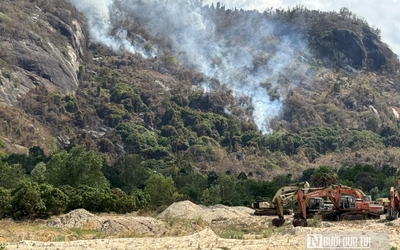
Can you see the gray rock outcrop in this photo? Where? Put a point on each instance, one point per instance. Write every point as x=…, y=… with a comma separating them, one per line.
x=358, y=50
x=46, y=52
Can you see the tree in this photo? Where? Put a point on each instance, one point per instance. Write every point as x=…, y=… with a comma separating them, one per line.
x=89, y=198
x=212, y=178
x=36, y=151
x=26, y=201
x=389, y=171
x=38, y=174
x=323, y=177
x=25, y=161
x=54, y=200
x=161, y=189
x=116, y=200
x=228, y=189
x=374, y=192
x=142, y=198
x=74, y=168
x=368, y=180
x=345, y=13
x=127, y=173
x=5, y=202
x=282, y=180
x=306, y=175
x=10, y=175
x=261, y=190
x=211, y=195
x=31, y=200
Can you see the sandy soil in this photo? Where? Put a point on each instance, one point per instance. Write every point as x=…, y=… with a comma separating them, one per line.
x=155, y=233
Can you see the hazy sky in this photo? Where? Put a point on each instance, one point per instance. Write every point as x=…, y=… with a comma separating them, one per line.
x=383, y=14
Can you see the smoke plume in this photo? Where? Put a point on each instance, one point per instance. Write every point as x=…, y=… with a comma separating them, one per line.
x=254, y=56
x=98, y=14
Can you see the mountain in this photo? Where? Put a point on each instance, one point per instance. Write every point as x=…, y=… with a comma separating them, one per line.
x=182, y=85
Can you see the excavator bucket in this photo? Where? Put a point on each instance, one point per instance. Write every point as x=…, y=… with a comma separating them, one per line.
x=278, y=222
x=299, y=222
x=392, y=214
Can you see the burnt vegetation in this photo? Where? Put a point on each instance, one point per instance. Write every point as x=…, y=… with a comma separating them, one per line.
x=134, y=122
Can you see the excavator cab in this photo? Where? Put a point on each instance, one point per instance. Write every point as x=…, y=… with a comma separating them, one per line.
x=316, y=204
x=347, y=202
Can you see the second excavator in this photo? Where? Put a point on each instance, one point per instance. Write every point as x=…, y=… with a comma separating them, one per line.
x=348, y=204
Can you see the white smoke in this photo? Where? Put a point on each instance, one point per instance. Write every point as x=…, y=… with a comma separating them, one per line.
x=97, y=13
x=245, y=56
x=379, y=14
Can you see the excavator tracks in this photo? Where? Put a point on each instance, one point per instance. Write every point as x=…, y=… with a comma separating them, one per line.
x=350, y=216
x=334, y=216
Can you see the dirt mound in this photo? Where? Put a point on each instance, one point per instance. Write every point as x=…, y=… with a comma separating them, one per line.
x=205, y=239
x=79, y=218
x=189, y=210
x=182, y=209
x=140, y=225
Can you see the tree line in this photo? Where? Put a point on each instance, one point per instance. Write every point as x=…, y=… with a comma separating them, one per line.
x=38, y=186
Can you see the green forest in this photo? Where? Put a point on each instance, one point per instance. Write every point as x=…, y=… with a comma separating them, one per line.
x=39, y=186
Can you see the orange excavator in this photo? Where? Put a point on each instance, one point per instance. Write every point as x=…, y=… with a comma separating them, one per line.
x=393, y=207
x=348, y=204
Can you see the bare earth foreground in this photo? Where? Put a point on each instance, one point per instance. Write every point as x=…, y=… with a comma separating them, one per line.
x=183, y=225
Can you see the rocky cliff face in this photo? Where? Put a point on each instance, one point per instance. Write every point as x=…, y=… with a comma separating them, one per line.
x=44, y=48
x=359, y=50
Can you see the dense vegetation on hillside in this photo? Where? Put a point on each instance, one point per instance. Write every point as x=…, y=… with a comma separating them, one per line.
x=141, y=132
x=37, y=186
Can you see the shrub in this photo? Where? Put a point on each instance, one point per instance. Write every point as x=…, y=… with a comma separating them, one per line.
x=26, y=202
x=54, y=199
x=160, y=189
x=5, y=202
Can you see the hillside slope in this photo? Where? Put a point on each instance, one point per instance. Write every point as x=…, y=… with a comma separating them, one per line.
x=241, y=91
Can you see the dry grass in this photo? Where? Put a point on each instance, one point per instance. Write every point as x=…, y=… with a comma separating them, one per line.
x=183, y=226
x=12, y=231
x=20, y=132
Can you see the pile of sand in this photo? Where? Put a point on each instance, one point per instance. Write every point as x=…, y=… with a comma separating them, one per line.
x=189, y=210
x=141, y=226
x=148, y=226
x=205, y=239
x=80, y=218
